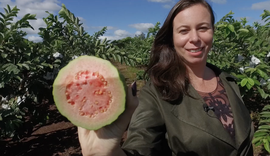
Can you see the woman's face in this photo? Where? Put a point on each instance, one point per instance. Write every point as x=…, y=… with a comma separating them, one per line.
x=193, y=34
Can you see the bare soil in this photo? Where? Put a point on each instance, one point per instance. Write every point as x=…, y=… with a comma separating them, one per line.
x=56, y=138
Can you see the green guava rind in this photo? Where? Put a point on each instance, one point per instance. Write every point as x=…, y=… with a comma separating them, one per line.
x=110, y=73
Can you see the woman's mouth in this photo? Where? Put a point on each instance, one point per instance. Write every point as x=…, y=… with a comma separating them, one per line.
x=195, y=50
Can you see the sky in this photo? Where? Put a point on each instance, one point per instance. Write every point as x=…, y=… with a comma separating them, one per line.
x=124, y=18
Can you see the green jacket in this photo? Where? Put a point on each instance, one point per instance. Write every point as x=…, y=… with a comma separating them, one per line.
x=160, y=128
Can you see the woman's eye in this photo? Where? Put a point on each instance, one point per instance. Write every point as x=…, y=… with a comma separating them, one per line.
x=203, y=28
x=183, y=31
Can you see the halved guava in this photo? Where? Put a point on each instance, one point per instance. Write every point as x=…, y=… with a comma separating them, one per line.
x=90, y=92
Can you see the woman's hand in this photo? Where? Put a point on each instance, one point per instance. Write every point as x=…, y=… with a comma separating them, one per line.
x=106, y=141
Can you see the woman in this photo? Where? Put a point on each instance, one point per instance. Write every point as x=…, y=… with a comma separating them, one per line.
x=188, y=107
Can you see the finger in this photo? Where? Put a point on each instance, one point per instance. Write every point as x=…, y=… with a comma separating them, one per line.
x=86, y=141
x=81, y=132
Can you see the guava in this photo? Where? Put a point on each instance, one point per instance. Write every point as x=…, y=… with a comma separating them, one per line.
x=90, y=92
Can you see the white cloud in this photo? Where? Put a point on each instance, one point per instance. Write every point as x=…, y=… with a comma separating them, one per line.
x=142, y=26
x=37, y=7
x=261, y=5
x=110, y=28
x=82, y=20
x=100, y=27
x=36, y=24
x=160, y=1
x=111, y=38
x=3, y=3
x=168, y=6
x=138, y=33
x=168, y=3
x=34, y=38
x=122, y=33
x=219, y=1
x=118, y=34
x=42, y=5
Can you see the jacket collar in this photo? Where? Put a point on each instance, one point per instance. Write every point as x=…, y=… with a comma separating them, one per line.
x=191, y=112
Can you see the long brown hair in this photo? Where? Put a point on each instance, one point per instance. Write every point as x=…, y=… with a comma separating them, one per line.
x=166, y=69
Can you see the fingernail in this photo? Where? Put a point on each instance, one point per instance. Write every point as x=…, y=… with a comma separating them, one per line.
x=134, y=88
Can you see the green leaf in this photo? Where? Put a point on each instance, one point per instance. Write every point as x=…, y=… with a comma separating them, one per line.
x=119, y=58
x=257, y=139
x=259, y=142
x=2, y=85
x=4, y=55
x=249, y=86
x=19, y=78
x=267, y=121
x=47, y=65
x=268, y=138
x=251, y=70
x=264, y=127
x=103, y=56
x=221, y=25
x=265, y=14
x=114, y=57
x=231, y=28
x=244, y=82
x=57, y=61
x=11, y=68
x=262, y=130
x=258, y=134
x=243, y=30
x=265, y=114
x=250, y=81
x=26, y=66
x=262, y=73
x=240, y=76
x=266, y=107
x=81, y=31
x=256, y=82
x=266, y=145
x=262, y=93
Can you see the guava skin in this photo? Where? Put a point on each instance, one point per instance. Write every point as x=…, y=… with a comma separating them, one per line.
x=90, y=92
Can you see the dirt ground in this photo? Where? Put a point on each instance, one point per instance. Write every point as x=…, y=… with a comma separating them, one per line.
x=56, y=138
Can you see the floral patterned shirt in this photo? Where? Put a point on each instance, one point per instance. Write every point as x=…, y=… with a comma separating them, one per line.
x=218, y=99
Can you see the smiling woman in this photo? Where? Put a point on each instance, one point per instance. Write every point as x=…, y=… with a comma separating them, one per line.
x=188, y=106
x=193, y=34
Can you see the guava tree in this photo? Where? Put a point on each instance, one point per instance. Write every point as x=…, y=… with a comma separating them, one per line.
x=69, y=38
x=28, y=69
x=244, y=51
x=138, y=47
x=22, y=66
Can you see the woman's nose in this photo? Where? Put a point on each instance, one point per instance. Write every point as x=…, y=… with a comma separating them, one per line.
x=194, y=36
